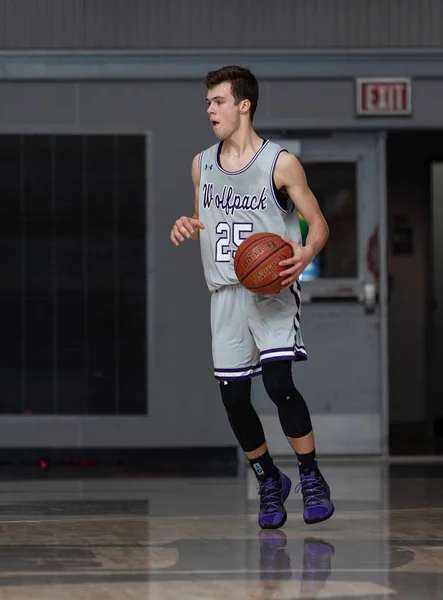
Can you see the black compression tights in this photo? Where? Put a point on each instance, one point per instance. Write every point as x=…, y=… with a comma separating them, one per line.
x=292, y=409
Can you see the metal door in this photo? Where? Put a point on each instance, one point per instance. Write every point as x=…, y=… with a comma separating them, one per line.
x=343, y=313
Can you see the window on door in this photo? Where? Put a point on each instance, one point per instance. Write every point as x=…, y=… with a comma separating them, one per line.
x=335, y=186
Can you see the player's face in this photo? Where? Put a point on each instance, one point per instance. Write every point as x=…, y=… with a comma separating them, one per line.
x=223, y=113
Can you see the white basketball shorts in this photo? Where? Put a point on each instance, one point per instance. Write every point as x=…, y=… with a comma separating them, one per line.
x=251, y=329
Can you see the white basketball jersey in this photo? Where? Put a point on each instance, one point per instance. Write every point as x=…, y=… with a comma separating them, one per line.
x=234, y=205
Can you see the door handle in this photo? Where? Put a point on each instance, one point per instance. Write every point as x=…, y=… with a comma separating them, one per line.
x=369, y=298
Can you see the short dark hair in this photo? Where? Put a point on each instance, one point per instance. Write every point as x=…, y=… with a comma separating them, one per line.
x=244, y=85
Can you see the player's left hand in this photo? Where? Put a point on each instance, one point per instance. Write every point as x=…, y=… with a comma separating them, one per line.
x=302, y=256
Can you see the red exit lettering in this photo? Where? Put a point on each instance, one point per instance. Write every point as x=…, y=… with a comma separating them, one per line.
x=383, y=97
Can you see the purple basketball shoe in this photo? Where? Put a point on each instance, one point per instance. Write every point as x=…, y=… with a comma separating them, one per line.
x=273, y=494
x=316, y=497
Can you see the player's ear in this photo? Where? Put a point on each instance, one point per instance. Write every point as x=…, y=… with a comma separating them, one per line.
x=245, y=105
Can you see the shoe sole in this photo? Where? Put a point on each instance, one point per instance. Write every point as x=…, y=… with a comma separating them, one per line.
x=285, y=515
x=313, y=521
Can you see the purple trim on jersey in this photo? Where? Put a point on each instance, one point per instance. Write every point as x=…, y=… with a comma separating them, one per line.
x=251, y=162
x=286, y=212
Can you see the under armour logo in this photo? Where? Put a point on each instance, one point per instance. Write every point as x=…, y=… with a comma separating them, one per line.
x=208, y=167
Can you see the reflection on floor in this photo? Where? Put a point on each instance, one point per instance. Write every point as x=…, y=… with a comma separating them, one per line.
x=165, y=539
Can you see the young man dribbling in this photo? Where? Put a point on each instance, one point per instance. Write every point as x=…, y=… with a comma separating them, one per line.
x=244, y=185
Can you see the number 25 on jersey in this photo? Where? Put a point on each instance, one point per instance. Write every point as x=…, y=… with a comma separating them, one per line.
x=231, y=233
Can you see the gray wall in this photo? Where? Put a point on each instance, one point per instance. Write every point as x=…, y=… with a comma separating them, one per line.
x=137, y=106
x=113, y=24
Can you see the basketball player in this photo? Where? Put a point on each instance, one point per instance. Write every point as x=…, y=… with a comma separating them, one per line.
x=243, y=185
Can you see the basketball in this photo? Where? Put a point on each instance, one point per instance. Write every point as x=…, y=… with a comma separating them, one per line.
x=256, y=262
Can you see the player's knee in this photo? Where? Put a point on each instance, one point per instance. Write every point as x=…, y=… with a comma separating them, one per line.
x=277, y=379
x=292, y=409
x=245, y=423
x=236, y=395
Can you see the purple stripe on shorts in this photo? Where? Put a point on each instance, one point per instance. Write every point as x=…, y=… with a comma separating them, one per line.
x=289, y=356
x=238, y=370
x=288, y=348
x=297, y=298
x=297, y=319
x=294, y=356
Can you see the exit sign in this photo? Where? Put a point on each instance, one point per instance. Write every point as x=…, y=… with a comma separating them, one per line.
x=378, y=97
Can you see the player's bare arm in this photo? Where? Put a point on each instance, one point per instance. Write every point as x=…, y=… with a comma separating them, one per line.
x=189, y=227
x=290, y=174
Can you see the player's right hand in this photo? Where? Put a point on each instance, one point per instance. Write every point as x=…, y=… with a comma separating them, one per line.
x=185, y=227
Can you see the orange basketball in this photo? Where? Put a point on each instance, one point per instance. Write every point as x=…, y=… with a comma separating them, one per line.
x=256, y=262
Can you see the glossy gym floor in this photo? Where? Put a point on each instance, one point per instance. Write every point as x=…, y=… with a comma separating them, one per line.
x=197, y=538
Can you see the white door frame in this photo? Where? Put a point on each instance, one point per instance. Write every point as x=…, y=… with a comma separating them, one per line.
x=383, y=290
